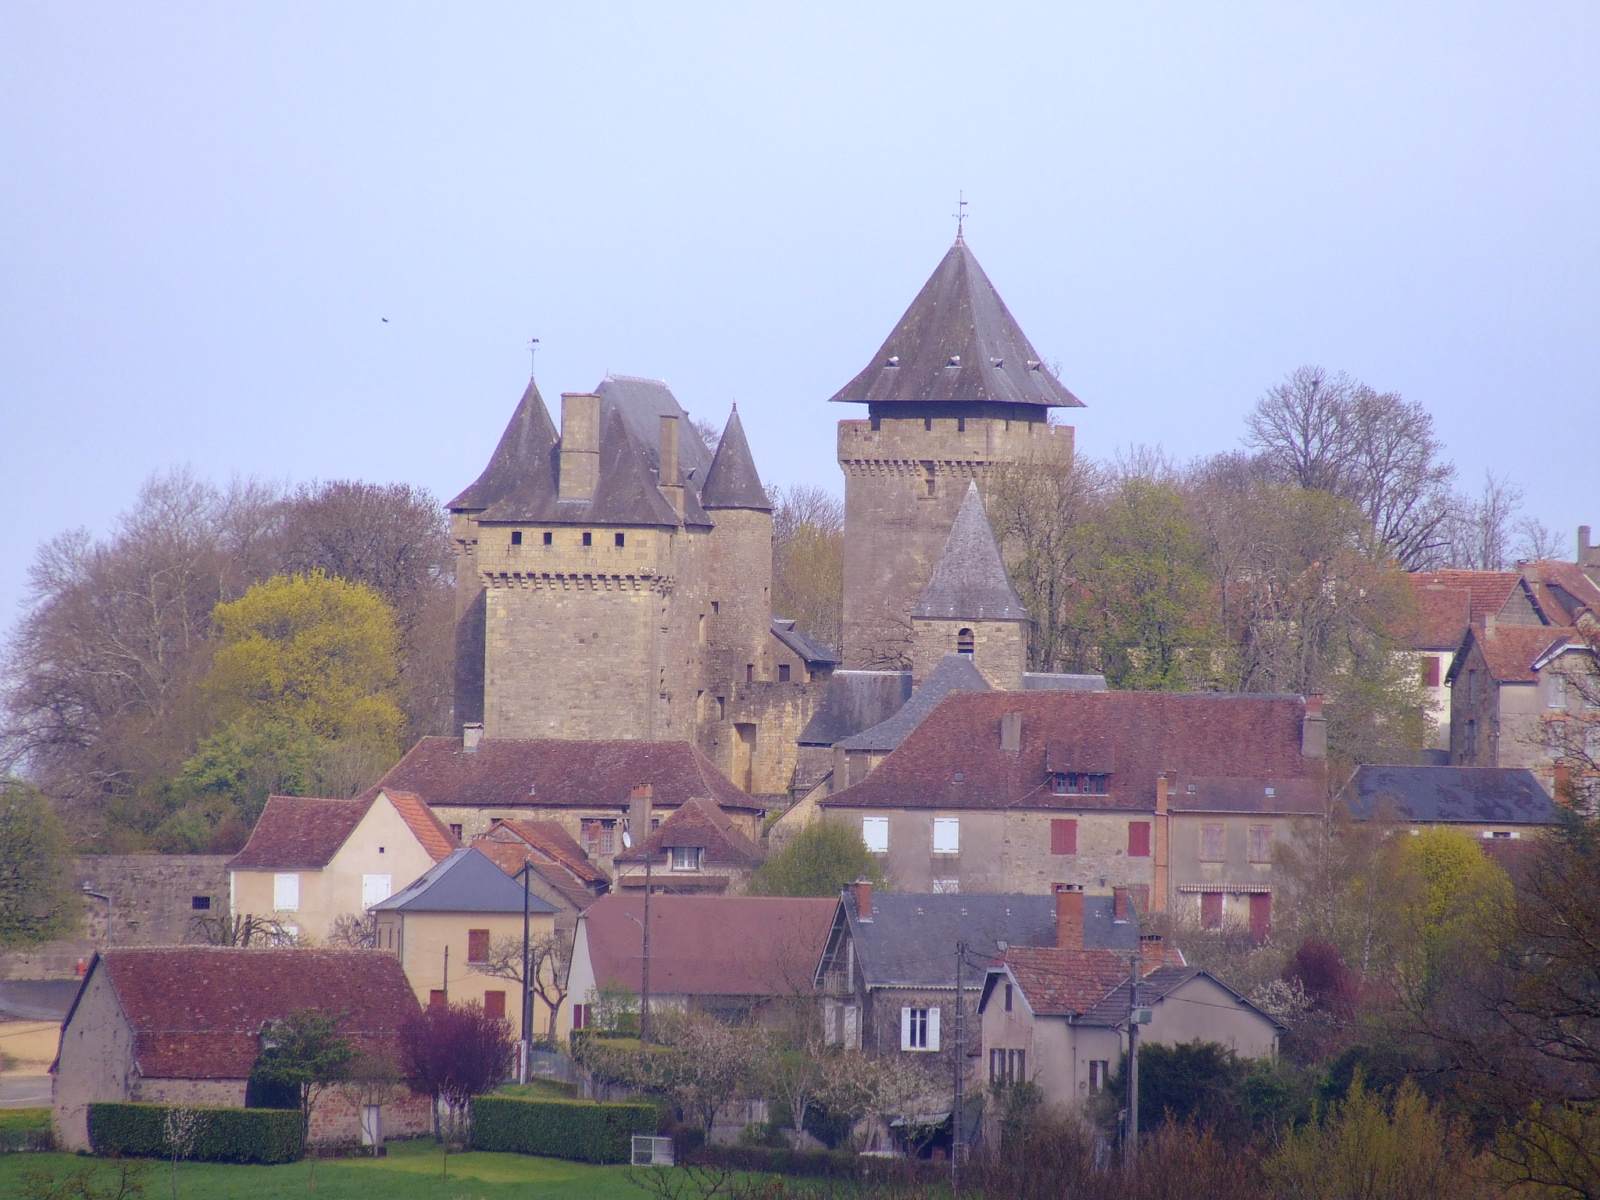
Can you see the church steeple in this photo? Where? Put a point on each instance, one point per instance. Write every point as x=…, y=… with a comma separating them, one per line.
x=732, y=481
x=957, y=343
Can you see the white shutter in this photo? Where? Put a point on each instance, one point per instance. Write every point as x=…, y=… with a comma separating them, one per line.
x=374, y=890
x=947, y=835
x=286, y=892
x=933, y=1028
x=905, y=1029
x=875, y=833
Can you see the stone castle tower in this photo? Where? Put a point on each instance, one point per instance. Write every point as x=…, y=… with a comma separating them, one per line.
x=955, y=390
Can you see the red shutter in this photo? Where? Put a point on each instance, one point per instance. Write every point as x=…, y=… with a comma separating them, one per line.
x=1063, y=836
x=1211, y=910
x=1138, y=839
x=580, y=1015
x=494, y=1005
x=437, y=998
x=1430, y=670
x=477, y=945
x=1260, y=916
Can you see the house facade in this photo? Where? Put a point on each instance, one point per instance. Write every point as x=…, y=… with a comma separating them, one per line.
x=309, y=861
x=698, y=849
x=185, y=1025
x=561, y=873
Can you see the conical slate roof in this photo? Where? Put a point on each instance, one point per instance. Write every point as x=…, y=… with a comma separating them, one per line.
x=733, y=481
x=523, y=447
x=958, y=343
x=970, y=581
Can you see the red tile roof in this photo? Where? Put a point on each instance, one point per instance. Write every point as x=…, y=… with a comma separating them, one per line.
x=1510, y=651
x=512, y=856
x=953, y=760
x=1440, y=615
x=1487, y=591
x=1057, y=982
x=553, y=841
x=699, y=823
x=196, y=1012
x=433, y=833
x=1562, y=590
x=299, y=832
x=523, y=772
x=710, y=945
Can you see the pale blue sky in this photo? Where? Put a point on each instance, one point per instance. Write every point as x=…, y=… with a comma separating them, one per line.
x=207, y=209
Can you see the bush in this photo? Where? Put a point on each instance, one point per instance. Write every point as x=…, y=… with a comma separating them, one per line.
x=25, y=1129
x=230, y=1135
x=821, y=1164
x=585, y=1130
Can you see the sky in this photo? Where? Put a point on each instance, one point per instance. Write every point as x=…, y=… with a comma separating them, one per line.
x=208, y=211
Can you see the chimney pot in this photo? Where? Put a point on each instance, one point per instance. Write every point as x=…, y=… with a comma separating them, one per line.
x=471, y=735
x=863, y=890
x=1069, y=916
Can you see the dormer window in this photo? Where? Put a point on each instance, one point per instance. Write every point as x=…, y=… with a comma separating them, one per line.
x=686, y=858
x=1078, y=783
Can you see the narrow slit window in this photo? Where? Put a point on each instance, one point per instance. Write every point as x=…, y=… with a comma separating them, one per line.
x=588, y=538
x=548, y=537
x=621, y=540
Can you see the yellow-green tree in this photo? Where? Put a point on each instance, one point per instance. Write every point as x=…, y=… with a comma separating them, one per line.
x=311, y=652
x=1449, y=900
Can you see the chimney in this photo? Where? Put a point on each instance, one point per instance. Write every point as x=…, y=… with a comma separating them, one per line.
x=667, y=477
x=641, y=799
x=1561, y=783
x=863, y=891
x=1069, y=916
x=1119, y=904
x=1588, y=554
x=471, y=735
x=1011, y=732
x=1314, y=729
x=1152, y=952
x=580, y=446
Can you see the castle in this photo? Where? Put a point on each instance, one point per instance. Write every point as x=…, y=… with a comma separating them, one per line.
x=614, y=575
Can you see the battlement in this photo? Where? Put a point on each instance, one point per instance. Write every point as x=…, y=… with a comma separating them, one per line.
x=911, y=441
x=601, y=551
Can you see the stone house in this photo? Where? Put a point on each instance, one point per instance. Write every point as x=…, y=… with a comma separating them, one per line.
x=698, y=849
x=590, y=788
x=1491, y=803
x=1444, y=604
x=446, y=927
x=560, y=872
x=1058, y=1018
x=311, y=861
x=733, y=956
x=887, y=974
x=185, y=1025
x=1173, y=797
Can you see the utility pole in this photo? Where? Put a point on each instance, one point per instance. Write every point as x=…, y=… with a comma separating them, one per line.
x=961, y=1070
x=527, y=983
x=447, y=974
x=1133, y=1059
x=644, y=972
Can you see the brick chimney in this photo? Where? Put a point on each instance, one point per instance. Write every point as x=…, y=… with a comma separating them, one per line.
x=1011, y=732
x=471, y=735
x=1588, y=553
x=1152, y=952
x=1314, y=729
x=641, y=801
x=863, y=891
x=580, y=446
x=667, y=476
x=1069, y=916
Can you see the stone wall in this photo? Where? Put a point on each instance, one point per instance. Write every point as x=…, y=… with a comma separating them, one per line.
x=999, y=649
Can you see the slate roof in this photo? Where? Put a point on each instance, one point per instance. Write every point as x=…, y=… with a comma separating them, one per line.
x=641, y=403
x=855, y=700
x=698, y=822
x=197, y=1011
x=1305, y=796
x=957, y=342
x=910, y=939
x=524, y=447
x=955, y=673
x=803, y=644
x=1470, y=795
x=709, y=945
x=969, y=582
x=953, y=759
x=305, y=832
x=1051, y=681
x=468, y=881
x=512, y=857
x=559, y=773
x=732, y=480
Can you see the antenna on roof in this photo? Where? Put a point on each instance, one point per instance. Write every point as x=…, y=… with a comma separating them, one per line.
x=961, y=213
x=533, y=353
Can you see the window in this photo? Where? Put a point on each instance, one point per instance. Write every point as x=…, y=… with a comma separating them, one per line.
x=548, y=537
x=1557, y=697
x=437, y=998
x=374, y=890
x=875, y=833
x=716, y=607
x=919, y=1029
x=1138, y=839
x=749, y=672
x=1469, y=739
x=946, y=887
x=620, y=539
x=598, y=834
x=286, y=892
x=947, y=835
x=877, y=424
x=455, y=832
x=1472, y=684
x=588, y=538
x=200, y=903
x=516, y=537
x=1261, y=843
x=494, y=1005
x=1210, y=843
x=1007, y=1066
x=1099, y=1074
x=686, y=858
x=927, y=424
x=1008, y=997
x=930, y=481
x=1260, y=916
x=1078, y=783
x=1499, y=833
x=961, y=424
x=477, y=945
x=1430, y=670
x=965, y=643
x=722, y=708
x=1211, y=910
x=783, y=672
x=580, y=1016
x=1063, y=836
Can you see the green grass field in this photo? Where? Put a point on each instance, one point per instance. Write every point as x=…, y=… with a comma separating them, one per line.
x=410, y=1172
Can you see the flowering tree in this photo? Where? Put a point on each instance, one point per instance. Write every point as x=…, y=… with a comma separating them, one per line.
x=453, y=1053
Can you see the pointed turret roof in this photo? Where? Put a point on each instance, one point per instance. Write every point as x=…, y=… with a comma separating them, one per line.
x=970, y=581
x=958, y=343
x=732, y=481
x=524, y=447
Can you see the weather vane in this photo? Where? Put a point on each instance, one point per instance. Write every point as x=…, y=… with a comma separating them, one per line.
x=533, y=353
x=961, y=213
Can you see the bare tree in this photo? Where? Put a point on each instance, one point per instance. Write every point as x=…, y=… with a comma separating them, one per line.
x=247, y=929
x=1481, y=528
x=549, y=967
x=808, y=560
x=354, y=931
x=1536, y=541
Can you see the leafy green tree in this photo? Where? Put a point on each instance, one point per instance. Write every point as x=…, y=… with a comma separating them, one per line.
x=818, y=861
x=303, y=1056
x=37, y=899
x=1450, y=901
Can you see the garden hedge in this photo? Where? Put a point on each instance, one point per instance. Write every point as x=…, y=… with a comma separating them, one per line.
x=825, y=1164
x=585, y=1130
x=229, y=1135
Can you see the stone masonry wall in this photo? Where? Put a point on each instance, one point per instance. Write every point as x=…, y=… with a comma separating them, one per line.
x=1000, y=649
